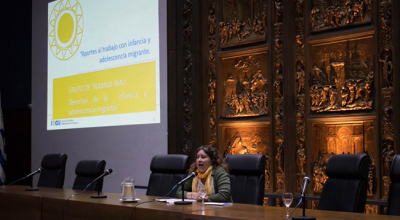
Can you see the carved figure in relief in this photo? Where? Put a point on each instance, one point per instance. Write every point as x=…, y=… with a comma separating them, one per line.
x=313, y=95
x=300, y=80
x=278, y=84
x=211, y=89
x=299, y=8
x=319, y=76
x=387, y=155
x=318, y=90
x=300, y=124
x=387, y=70
x=246, y=103
x=330, y=16
x=387, y=121
x=299, y=41
x=234, y=102
x=339, y=15
x=278, y=11
x=258, y=25
x=345, y=95
x=211, y=22
x=359, y=89
x=224, y=32
x=332, y=96
x=324, y=96
x=352, y=91
x=368, y=91
x=263, y=100
x=370, y=181
x=279, y=184
x=301, y=156
x=267, y=171
x=314, y=18
x=279, y=156
x=230, y=85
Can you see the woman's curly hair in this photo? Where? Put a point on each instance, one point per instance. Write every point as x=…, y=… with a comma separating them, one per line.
x=212, y=152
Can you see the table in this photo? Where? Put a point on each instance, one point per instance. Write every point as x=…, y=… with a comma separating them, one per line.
x=52, y=204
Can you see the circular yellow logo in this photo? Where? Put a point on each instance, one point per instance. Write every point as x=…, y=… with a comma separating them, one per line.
x=65, y=29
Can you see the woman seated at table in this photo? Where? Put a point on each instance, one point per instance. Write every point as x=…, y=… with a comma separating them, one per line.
x=212, y=176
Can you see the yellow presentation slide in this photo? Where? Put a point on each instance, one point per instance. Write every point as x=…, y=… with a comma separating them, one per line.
x=103, y=63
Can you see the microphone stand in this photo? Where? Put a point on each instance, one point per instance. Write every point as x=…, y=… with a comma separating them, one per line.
x=183, y=202
x=304, y=217
x=32, y=189
x=100, y=178
x=98, y=196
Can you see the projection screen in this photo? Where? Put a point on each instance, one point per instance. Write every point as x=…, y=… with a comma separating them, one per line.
x=103, y=68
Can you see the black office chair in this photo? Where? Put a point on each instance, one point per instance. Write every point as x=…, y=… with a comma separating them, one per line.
x=53, y=172
x=345, y=190
x=86, y=171
x=247, y=174
x=166, y=171
x=394, y=189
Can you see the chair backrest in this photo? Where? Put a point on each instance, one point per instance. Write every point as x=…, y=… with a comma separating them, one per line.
x=345, y=189
x=86, y=171
x=53, y=172
x=166, y=171
x=247, y=174
x=394, y=189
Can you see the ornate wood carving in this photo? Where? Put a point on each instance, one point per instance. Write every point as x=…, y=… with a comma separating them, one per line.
x=247, y=138
x=212, y=84
x=386, y=69
x=278, y=95
x=339, y=138
x=371, y=209
x=245, y=86
x=243, y=22
x=342, y=76
x=187, y=77
x=329, y=14
x=300, y=98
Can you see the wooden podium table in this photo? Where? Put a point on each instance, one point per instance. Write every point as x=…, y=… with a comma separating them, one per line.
x=52, y=204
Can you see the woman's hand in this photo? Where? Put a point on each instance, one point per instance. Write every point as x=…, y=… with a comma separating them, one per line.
x=193, y=195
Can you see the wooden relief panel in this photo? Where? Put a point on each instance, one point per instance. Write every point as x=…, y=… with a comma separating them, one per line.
x=244, y=88
x=342, y=76
x=329, y=14
x=187, y=77
x=331, y=139
x=245, y=138
x=211, y=72
x=300, y=77
x=387, y=90
x=278, y=95
x=243, y=21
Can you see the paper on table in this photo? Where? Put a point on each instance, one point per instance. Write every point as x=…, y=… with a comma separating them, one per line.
x=174, y=200
x=217, y=203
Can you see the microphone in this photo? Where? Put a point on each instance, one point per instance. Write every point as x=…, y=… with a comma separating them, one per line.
x=306, y=180
x=107, y=172
x=193, y=174
x=35, y=172
x=29, y=175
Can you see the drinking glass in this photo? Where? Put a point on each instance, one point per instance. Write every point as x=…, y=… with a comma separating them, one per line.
x=202, y=194
x=287, y=200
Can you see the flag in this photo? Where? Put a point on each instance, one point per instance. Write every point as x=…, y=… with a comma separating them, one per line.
x=3, y=157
